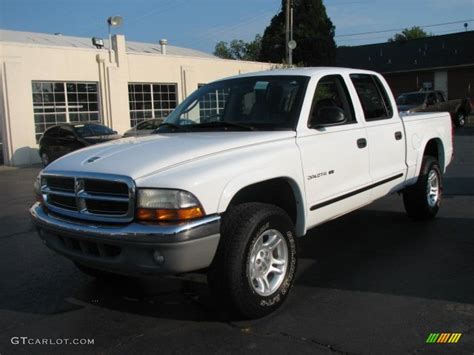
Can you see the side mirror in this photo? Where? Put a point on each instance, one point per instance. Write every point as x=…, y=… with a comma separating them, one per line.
x=115, y=132
x=327, y=116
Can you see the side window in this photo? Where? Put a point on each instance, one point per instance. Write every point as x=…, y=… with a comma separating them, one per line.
x=331, y=91
x=373, y=97
x=65, y=132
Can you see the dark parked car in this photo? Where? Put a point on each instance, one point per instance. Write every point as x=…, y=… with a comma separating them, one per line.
x=144, y=128
x=65, y=138
x=435, y=101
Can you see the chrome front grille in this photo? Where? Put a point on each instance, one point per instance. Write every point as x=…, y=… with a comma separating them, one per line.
x=89, y=196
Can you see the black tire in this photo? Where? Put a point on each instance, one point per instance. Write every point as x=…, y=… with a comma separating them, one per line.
x=96, y=273
x=416, y=197
x=228, y=276
x=459, y=119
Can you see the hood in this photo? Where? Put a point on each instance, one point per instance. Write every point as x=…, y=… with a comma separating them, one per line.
x=140, y=156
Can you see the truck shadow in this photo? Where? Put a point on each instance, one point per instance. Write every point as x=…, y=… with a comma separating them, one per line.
x=367, y=251
x=387, y=253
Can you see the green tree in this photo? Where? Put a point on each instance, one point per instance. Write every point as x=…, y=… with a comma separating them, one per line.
x=313, y=32
x=409, y=33
x=239, y=49
x=222, y=50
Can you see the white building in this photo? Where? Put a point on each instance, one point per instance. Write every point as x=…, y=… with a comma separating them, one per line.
x=47, y=79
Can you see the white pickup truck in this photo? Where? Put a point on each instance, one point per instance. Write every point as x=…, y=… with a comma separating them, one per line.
x=237, y=172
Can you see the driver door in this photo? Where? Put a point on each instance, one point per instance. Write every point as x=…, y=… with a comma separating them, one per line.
x=335, y=157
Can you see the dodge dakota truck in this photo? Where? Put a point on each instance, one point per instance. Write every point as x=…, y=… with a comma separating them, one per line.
x=239, y=171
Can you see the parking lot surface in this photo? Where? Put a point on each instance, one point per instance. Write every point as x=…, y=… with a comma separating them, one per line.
x=371, y=282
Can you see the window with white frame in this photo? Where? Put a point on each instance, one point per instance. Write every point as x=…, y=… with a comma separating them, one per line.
x=151, y=100
x=212, y=104
x=60, y=102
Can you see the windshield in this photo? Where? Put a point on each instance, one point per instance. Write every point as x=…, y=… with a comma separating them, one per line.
x=90, y=130
x=411, y=99
x=253, y=103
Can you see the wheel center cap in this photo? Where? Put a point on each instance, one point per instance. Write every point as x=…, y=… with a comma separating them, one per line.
x=263, y=261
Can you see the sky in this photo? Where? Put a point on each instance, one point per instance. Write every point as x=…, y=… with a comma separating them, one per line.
x=200, y=24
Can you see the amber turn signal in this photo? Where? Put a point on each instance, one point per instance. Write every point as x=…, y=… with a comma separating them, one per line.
x=168, y=215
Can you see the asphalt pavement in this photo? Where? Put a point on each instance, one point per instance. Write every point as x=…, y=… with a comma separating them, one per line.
x=370, y=282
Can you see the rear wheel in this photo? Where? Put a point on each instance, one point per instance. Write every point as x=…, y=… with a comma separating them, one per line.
x=423, y=199
x=255, y=263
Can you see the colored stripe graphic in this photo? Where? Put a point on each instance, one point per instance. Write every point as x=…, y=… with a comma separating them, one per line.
x=432, y=338
x=455, y=338
x=443, y=338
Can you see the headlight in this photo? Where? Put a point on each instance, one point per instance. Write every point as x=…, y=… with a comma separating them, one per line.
x=167, y=205
x=37, y=189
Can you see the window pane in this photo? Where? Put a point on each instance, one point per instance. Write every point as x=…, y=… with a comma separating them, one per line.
x=36, y=86
x=92, y=88
x=370, y=97
x=58, y=87
x=47, y=87
x=82, y=88
x=71, y=87
x=37, y=98
x=331, y=91
x=59, y=98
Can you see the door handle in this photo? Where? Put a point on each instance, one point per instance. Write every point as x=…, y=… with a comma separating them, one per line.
x=362, y=143
x=398, y=135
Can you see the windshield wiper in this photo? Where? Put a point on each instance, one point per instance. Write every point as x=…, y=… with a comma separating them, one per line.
x=223, y=124
x=169, y=125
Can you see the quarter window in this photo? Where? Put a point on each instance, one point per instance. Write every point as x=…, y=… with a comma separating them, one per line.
x=61, y=102
x=148, y=100
x=373, y=97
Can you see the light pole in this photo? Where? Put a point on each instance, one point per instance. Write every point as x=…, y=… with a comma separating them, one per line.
x=287, y=30
x=290, y=43
x=113, y=21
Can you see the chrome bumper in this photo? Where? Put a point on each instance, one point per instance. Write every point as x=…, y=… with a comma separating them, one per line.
x=137, y=248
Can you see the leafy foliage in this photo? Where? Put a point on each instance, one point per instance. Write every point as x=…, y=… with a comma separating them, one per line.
x=409, y=33
x=313, y=32
x=239, y=49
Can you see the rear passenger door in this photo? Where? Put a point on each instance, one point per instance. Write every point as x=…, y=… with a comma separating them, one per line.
x=385, y=134
x=335, y=158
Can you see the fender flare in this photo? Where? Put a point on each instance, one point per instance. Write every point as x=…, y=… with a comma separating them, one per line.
x=234, y=186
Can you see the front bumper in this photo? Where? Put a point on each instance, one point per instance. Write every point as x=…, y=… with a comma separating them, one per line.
x=133, y=248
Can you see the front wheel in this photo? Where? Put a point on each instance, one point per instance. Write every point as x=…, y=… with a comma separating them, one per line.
x=423, y=199
x=255, y=263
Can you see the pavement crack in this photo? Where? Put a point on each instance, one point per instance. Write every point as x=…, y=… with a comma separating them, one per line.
x=319, y=344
